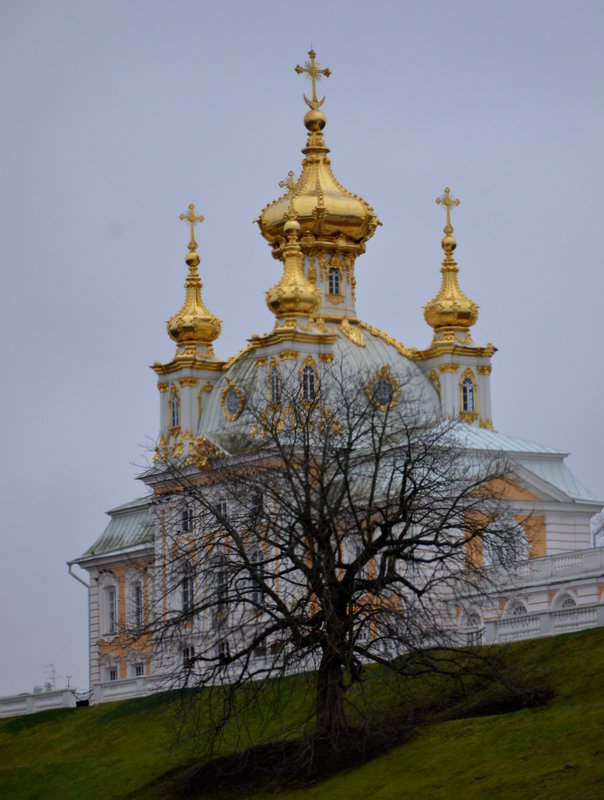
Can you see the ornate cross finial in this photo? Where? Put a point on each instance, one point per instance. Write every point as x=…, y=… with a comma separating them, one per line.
x=314, y=72
x=192, y=219
x=448, y=201
x=291, y=185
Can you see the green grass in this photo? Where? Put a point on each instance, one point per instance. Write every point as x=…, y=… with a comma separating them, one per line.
x=554, y=752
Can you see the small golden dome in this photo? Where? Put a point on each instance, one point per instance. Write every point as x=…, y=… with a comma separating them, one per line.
x=193, y=324
x=330, y=217
x=294, y=295
x=450, y=309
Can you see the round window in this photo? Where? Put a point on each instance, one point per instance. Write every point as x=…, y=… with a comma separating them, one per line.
x=382, y=392
x=232, y=402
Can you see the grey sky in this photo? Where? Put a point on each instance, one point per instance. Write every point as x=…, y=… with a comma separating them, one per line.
x=116, y=115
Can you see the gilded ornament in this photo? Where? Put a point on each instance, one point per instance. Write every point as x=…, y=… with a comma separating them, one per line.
x=486, y=423
x=163, y=387
x=326, y=358
x=484, y=369
x=448, y=367
x=261, y=361
x=289, y=355
x=188, y=381
x=353, y=333
x=399, y=346
x=203, y=450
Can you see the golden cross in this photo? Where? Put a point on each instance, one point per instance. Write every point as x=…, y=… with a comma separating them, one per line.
x=192, y=219
x=448, y=201
x=315, y=73
x=291, y=185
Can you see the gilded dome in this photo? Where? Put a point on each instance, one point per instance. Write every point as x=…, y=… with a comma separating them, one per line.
x=451, y=308
x=328, y=214
x=193, y=324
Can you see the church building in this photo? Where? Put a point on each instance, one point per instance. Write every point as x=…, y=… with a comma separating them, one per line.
x=317, y=230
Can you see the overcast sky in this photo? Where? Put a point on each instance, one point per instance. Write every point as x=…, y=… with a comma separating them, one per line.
x=117, y=115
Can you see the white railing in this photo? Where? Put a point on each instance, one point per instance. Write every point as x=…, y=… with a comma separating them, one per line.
x=577, y=564
x=574, y=619
x=526, y=626
x=40, y=701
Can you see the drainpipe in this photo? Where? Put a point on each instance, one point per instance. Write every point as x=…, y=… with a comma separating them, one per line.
x=77, y=577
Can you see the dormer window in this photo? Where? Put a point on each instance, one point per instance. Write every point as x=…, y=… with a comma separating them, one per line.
x=334, y=280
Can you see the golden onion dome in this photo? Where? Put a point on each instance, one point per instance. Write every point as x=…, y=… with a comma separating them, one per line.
x=193, y=324
x=450, y=308
x=330, y=217
x=293, y=295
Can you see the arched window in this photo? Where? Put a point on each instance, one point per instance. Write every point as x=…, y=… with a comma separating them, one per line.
x=568, y=602
x=187, y=520
x=174, y=410
x=334, y=280
x=468, y=400
x=309, y=379
x=515, y=608
x=136, y=608
x=275, y=385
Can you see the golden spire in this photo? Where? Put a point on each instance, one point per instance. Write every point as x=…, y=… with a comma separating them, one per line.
x=194, y=325
x=294, y=295
x=313, y=71
x=450, y=310
x=331, y=218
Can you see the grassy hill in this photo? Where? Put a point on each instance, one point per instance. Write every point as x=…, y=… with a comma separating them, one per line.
x=555, y=751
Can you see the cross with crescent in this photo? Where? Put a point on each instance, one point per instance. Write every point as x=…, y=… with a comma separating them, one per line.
x=448, y=201
x=314, y=72
x=192, y=219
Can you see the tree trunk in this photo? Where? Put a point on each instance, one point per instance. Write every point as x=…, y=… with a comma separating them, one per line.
x=331, y=717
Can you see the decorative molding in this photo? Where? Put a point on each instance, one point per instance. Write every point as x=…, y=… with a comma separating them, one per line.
x=484, y=369
x=289, y=355
x=232, y=387
x=163, y=387
x=353, y=333
x=326, y=358
x=189, y=381
x=448, y=367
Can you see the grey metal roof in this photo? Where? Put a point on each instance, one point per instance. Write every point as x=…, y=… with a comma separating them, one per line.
x=131, y=524
x=547, y=463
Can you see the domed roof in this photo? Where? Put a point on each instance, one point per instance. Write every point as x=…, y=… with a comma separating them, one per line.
x=366, y=355
x=328, y=214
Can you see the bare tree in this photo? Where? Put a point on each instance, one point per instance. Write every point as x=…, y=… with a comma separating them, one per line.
x=334, y=528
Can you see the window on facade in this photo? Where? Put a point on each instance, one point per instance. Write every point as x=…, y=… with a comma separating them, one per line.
x=223, y=508
x=223, y=651
x=334, y=280
x=112, y=673
x=467, y=395
x=188, y=656
x=187, y=520
x=187, y=589
x=137, y=607
x=174, y=410
x=139, y=670
x=518, y=610
x=309, y=389
x=222, y=585
x=257, y=579
x=111, y=609
x=568, y=602
x=275, y=385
